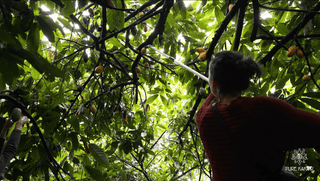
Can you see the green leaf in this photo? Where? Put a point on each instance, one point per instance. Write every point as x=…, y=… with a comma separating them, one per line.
x=312, y=94
x=9, y=70
x=115, y=42
x=282, y=29
x=151, y=99
x=74, y=140
x=51, y=126
x=8, y=38
x=170, y=20
x=68, y=7
x=68, y=167
x=39, y=63
x=33, y=38
x=283, y=81
x=182, y=8
x=164, y=100
x=197, y=35
x=82, y=3
x=115, y=18
x=46, y=29
x=127, y=146
x=95, y=173
x=219, y=14
x=99, y=154
x=2, y=83
x=65, y=23
x=313, y=103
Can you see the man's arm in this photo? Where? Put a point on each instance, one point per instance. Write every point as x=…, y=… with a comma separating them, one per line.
x=12, y=144
x=3, y=133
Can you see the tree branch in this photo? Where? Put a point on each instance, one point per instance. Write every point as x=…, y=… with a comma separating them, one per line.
x=185, y=172
x=239, y=27
x=265, y=37
x=223, y=26
x=256, y=19
x=295, y=10
x=141, y=8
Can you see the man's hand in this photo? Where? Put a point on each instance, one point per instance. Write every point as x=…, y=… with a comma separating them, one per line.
x=23, y=120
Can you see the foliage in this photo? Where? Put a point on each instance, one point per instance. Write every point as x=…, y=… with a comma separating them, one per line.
x=55, y=84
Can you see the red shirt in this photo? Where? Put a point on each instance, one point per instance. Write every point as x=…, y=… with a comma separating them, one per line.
x=264, y=127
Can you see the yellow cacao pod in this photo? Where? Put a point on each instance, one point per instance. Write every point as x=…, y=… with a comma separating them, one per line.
x=230, y=6
x=146, y=64
x=50, y=55
x=203, y=56
x=306, y=77
x=111, y=3
x=200, y=50
x=99, y=69
x=143, y=51
x=299, y=53
x=138, y=70
x=93, y=109
x=291, y=51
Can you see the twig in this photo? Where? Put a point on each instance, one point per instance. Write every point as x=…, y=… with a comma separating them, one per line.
x=141, y=8
x=185, y=172
x=295, y=10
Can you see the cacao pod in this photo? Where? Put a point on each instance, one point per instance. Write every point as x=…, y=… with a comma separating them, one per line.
x=291, y=51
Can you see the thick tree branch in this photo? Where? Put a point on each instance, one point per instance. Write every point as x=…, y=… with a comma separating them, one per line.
x=256, y=19
x=223, y=26
x=239, y=26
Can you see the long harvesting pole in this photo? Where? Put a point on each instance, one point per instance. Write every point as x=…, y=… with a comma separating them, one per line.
x=180, y=64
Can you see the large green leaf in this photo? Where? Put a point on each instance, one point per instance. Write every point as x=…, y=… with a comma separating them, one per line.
x=115, y=18
x=9, y=70
x=39, y=63
x=2, y=83
x=312, y=94
x=46, y=29
x=98, y=154
x=69, y=7
x=95, y=173
x=33, y=38
x=282, y=29
x=313, y=103
x=283, y=81
x=151, y=99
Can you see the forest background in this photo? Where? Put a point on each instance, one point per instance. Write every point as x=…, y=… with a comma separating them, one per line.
x=101, y=107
